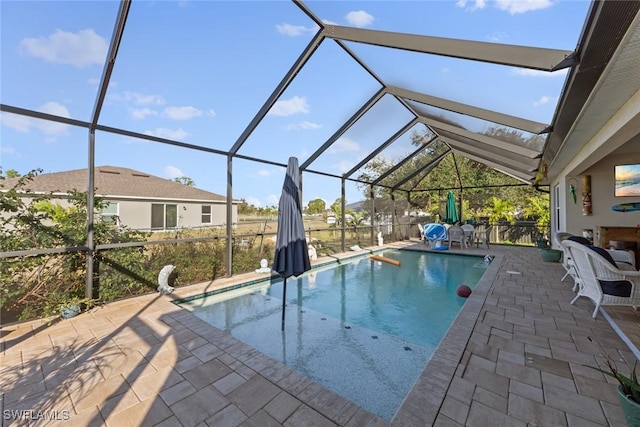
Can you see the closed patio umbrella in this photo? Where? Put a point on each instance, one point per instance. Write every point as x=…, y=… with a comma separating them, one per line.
x=451, y=213
x=292, y=254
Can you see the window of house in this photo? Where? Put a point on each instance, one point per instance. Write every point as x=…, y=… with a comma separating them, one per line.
x=206, y=214
x=109, y=212
x=164, y=216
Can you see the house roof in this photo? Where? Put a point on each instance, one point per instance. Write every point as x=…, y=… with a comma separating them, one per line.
x=113, y=181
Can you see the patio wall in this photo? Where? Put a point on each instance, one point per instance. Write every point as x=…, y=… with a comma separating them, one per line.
x=602, y=194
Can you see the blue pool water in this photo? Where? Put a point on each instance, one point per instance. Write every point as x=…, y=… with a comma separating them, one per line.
x=364, y=329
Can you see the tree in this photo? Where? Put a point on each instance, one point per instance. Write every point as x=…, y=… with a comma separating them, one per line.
x=185, y=180
x=336, y=208
x=429, y=189
x=11, y=173
x=501, y=210
x=537, y=209
x=245, y=208
x=316, y=206
x=38, y=285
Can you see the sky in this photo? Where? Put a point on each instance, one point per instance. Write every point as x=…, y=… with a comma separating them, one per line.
x=199, y=71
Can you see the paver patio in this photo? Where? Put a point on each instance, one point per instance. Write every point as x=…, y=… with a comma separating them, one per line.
x=515, y=356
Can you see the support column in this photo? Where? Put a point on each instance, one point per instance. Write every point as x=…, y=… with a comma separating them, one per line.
x=90, y=208
x=229, y=266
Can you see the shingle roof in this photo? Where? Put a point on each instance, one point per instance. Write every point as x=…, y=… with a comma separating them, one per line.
x=113, y=181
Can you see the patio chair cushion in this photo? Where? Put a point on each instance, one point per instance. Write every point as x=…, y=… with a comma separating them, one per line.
x=606, y=255
x=579, y=239
x=617, y=288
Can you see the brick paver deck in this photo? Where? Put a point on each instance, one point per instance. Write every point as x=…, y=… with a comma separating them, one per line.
x=515, y=356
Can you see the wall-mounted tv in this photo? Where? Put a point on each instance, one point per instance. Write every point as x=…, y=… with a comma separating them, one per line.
x=627, y=180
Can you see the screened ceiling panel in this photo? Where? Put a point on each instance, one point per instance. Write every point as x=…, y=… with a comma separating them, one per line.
x=206, y=170
x=213, y=76
x=152, y=88
x=469, y=110
x=375, y=126
x=329, y=90
x=398, y=149
x=418, y=161
x=412, y=180
x=492, y=152
x=488, y=24
x=524, y=142
x=35, y=152
x=39, y=72
x=466, y=81
x=480, y=157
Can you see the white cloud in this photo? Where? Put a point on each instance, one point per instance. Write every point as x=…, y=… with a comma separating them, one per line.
x=288, y=107
x=178, y=134
x=254, y=201
x=522, y=6
x=93, y=81
x=545, y=100
x=305, y=125
x=343, y=166
x=7, y=149
x=497, y=36
x=181, y=113
x=359, y=18
x=16, y=122
x=173, y=172
x=445, y=70
x=343, y=145
x=80, y=49
x=141, y=113
x=25, y=124
x=211, y=113
x=327, y=22
x=294, y=30
x=539, y=73
x=272, y=200
x=473, y=4
x=138, y=98
x=264, y=172
x=53, y=128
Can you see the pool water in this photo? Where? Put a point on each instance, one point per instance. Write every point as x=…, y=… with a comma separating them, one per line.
x=364, y=329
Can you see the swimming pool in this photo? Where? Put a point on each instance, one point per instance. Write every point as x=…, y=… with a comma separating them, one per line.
x=364, y=329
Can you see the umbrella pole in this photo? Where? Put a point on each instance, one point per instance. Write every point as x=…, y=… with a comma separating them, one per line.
x=284, y=301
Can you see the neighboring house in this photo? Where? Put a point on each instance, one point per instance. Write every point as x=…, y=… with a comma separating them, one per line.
x=139, y=200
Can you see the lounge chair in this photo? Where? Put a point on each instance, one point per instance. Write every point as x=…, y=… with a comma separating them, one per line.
x=435, y=233
x=456, y=234
x=601, y=279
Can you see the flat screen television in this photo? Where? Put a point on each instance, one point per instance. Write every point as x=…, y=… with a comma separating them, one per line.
x=627, y=180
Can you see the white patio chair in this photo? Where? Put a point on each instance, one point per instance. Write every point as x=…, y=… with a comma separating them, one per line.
x=468, y=233
x=626, y=260
x=567, y=262
x=601, y=280
x=456, y=234
x=482, y=237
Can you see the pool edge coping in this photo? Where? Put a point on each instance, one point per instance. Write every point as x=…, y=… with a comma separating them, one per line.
x=425, y=399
